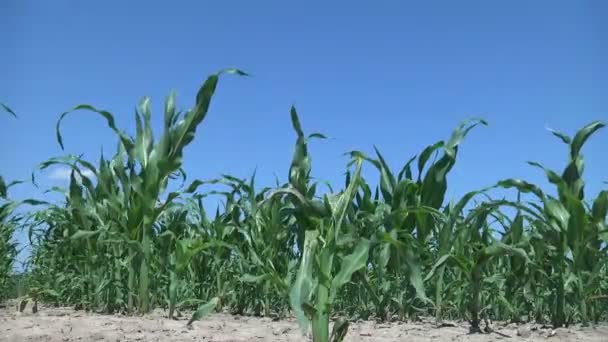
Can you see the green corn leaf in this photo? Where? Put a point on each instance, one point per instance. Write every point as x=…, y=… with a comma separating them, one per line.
x=388, y=181
x=355, y=155
x=301, y=288
x=440, y=262
x=295, y=122
x=32, y=201
x=600, y=207
x=85, y=234
x=406, y=170
x=50, y=293
x=249, y=278
x=555, y=210
x=498, y=248
x=3, y=188
x=170, y=112
x=434, y=184
x=185, y=133
x=125, y=140
x=203, y=310
x=384, y=253
x=521, y=185
x=317, y=136
x=461, y=132
x=581, y=137
x=416, y=276
x=426, y=154
x=563, y=137
x=552, y=176
x=339, y=211
x=8, y=109
x=351, y=263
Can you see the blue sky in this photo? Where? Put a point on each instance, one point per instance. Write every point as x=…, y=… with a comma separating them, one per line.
x=397, y=74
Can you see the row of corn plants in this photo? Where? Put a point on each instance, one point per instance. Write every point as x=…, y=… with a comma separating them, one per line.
x=389, y=248
x=9, y=223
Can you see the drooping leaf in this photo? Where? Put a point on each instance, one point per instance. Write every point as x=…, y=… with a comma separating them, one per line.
x=582, y=135
x=8, y=109
x=564, y=137
x=351, y=264
x=203, y=310
x=301, y=288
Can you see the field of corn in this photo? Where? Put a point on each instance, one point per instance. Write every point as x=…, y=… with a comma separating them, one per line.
x=387, y=249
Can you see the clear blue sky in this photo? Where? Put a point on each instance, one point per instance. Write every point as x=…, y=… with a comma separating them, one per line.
x=397, y=74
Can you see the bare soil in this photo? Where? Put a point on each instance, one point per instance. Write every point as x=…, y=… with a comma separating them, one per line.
x=63, y=324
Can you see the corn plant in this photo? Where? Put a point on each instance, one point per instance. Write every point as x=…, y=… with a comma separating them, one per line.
x=148, y=170
x=574, y=233
x=411, y=218
x=393, y=248
x=8, y=225
x=8, y=247
x=317, y=283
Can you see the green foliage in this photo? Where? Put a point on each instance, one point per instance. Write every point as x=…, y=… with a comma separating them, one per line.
x=570, y=233
x=122, y=241
x=9, y=222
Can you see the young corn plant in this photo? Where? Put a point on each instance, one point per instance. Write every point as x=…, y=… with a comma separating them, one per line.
x=8, y=225
x=9, y=222
x=267, y=261
x=149, y=167
x=411, y=217
x=328, y=255
x=325, y=248
x=575, y=233
x=481, y=249
x=120, y=241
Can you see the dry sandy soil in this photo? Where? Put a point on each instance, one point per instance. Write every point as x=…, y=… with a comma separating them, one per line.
x=59, y=325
